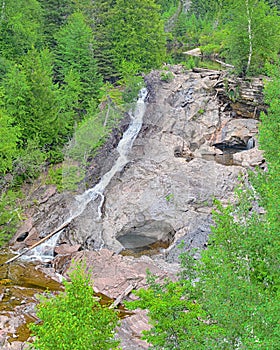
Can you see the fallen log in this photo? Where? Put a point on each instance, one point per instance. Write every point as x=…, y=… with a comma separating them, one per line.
x=61, y=227
x=122, y=296
x=224, y=64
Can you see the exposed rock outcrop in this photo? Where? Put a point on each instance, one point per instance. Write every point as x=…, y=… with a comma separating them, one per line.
x=193, y=145
x=199, y=135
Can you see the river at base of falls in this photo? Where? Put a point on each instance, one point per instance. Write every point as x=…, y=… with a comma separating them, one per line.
x=20, y=282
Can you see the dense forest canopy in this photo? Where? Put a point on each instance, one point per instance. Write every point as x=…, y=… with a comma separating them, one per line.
x=68, y=64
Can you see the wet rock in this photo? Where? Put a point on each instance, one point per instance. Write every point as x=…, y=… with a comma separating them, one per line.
x=65, y=249
x=23, y=231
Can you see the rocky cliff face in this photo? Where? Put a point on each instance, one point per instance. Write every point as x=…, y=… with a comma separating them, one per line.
x=165, y=192
x=195, y=141
x=198, y=136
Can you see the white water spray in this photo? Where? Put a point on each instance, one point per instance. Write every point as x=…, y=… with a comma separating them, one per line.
x=44, y=252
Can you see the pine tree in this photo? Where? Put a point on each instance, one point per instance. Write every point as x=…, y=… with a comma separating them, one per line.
x=75, y=53
x=20, y=27
x=34, y=102
x=55, y=14
x=103, y=28
x=138, y=34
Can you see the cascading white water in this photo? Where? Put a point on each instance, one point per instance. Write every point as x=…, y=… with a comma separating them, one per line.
x=44, y=252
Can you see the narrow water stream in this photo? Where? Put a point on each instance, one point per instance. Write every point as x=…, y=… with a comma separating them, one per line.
x=44, y=251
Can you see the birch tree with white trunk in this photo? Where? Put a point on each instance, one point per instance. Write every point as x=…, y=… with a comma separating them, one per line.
x=253, y=35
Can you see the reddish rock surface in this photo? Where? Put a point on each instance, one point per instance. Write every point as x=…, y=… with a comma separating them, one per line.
x=111, y=275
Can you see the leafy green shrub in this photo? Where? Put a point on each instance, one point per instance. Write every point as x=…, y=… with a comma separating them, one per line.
x=9, y=136
x=55, y=177
x=74, y=319
x=132, y=87
x=29, y=163
x=72, y=175
x=166, y=76
x=190, y=62
x=178, y=321
x=210, y=49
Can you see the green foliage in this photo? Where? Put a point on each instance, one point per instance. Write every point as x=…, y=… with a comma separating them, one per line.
x=238, y=276
x=269, y=128
x=236, y=282
x=258, y=20
x=167, y=5
x=29, y=162
x=169, y=197
x=244, y=32
x=103, y=27
x=111, y=95
x=189, y=29
x=32, y=100
x=20, y=27
x=10, y=214
x=189, y=63
x=55, y=177
x=140, y=42
x=9, y=136
x=166, y=76
x=75, y=56
x=178, y=321
x=131, y=81
x=208, y=8
x=74, y=319
x=132, y=87
x=269, y=185
x=55, y=14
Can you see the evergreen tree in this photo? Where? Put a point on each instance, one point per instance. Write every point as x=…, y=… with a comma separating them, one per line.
x=103, y=28
x=138, y=34
x=34, y=101
x=75, y=55
x=20, y=27
x=166, y=5
x=9, y=137
x=55, y=13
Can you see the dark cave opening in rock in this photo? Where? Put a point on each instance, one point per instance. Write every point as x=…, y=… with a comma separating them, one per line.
x=235, y=145
x=229, y=148
x=148, y=238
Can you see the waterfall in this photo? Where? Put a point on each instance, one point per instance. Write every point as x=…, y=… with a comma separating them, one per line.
x=250, y=143
x=44, y=251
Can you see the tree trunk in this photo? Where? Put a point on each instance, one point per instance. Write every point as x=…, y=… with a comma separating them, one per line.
x=249, y=35
x=3, y=10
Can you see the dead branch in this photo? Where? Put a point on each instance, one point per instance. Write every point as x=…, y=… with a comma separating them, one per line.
x=36, y=244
